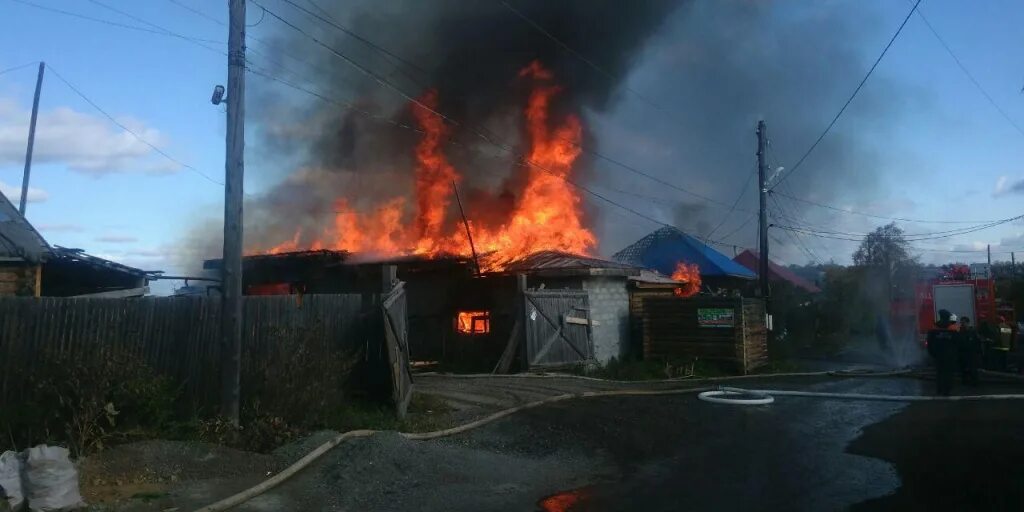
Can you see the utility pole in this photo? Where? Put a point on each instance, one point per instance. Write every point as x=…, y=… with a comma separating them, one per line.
x=31, y=141
x=988, y=249
x=762, y=173
x=1013, y=265
x=234, y=170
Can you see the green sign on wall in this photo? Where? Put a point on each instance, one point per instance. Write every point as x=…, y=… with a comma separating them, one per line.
x=716, y=317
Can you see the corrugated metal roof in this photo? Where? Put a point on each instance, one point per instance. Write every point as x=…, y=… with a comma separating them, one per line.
x=18, y=239
x=750, y=259
x=558, y=260
x=663, y=249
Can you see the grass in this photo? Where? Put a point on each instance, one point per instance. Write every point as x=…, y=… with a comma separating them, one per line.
x=147, y=497
x=425, y=413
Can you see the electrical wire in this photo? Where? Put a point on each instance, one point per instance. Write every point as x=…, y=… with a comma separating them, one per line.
x=117, y=24
x=487, y=138
x=743, y=191
x=129, y=130
x=850, y=99
x=578, y=55
x=520, y=160
x=873, y=216
x=970, y=76
x=15, y=68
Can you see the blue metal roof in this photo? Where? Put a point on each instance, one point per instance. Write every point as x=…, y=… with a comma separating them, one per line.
x=664, y=248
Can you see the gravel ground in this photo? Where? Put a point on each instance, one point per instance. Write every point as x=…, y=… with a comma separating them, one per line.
x=386, y=472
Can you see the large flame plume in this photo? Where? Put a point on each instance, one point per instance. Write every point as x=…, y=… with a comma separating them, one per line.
x=546, y=215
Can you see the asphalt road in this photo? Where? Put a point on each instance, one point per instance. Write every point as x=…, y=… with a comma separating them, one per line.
x=679, y=453
x=797, y=454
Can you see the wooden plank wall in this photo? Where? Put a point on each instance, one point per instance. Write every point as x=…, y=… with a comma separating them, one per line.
x=177, y=336
x=671, y=331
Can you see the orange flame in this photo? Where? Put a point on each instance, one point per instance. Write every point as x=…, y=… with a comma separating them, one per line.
x=473, y=322
x=689, y=274
x=546, y=214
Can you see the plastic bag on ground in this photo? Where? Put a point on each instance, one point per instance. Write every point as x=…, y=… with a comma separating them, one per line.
x=10, y=481
x=51, y=481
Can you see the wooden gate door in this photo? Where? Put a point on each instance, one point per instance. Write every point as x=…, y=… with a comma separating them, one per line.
x=557, y=328
x=396, y=336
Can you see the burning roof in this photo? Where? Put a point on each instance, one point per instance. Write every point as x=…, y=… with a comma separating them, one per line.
x=543, y=209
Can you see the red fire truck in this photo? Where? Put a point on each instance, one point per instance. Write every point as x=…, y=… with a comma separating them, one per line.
x=955, y=290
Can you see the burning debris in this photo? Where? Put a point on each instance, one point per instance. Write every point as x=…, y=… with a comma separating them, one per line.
x=546, y=212
x=689, y=275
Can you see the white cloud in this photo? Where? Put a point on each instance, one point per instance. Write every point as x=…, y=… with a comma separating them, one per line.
x=13, y=193
x=1004, y=185
x=66, y=228
x=83, y=142
x=117, y=239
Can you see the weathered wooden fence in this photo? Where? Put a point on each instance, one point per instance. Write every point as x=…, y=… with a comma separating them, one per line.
x=177, y=336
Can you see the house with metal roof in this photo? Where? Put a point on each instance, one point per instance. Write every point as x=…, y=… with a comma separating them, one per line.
x=663, y=249
x=776, y=272
x=29, y=266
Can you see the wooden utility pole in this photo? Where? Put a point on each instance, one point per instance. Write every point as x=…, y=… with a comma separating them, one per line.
x=1013, y=265
x=31, y=141
x=234, y=170
x=762, y=173
x=469, y=234
x=988, y=249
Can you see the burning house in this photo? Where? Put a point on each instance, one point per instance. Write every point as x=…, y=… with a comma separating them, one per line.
x=672, y=252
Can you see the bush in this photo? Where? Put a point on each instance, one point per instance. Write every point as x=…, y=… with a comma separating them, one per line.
x=86, y=401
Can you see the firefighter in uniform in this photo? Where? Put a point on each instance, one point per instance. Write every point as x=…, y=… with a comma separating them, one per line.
x=970, y=352
x=943, y=346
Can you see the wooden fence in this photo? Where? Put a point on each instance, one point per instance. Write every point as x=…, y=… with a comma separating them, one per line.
x=726, y=330
x=177, y=336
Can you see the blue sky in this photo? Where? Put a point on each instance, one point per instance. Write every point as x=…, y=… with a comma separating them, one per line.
x=101, y=190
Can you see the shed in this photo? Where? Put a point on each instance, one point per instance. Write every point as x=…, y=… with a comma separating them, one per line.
x=29, y=266
x=663, y=249
x=605, y=287
x=725, y=330
x=750, y=260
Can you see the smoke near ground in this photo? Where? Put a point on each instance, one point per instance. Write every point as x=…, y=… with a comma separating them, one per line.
x=680, y=87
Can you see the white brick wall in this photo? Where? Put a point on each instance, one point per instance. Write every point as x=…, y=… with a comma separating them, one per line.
x=609, y=305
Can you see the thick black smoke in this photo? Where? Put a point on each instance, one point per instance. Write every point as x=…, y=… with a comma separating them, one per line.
x=471, y=53
x=679, y=88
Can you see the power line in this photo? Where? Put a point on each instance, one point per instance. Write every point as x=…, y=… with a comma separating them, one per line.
x=384, y=82
x=963, y=68
x=202, y=43
x=162, y=32
x=732, y=208
x=914, y=238
x=873, y=216
x=362, y=69
x=15, y=68
x=578, y=55
x=129, y=130
x=509, y=150
x=850, y=99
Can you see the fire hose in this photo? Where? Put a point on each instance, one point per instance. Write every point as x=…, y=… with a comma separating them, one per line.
x=727, y=395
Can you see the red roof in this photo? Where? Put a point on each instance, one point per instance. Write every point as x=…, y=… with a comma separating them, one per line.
x=776, y=272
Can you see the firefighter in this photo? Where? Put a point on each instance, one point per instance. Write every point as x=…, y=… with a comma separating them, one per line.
x=969, y=353
x=943, y=345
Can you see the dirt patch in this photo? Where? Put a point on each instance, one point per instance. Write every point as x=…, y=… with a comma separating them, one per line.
x=147, y=470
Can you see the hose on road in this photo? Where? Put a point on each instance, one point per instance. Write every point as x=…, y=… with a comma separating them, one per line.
x=721, y=395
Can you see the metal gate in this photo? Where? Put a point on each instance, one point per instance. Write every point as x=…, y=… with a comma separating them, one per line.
x=396, y=336
x=557, y=328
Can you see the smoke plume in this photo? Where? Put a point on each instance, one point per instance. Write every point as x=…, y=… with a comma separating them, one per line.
x=670, y=87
